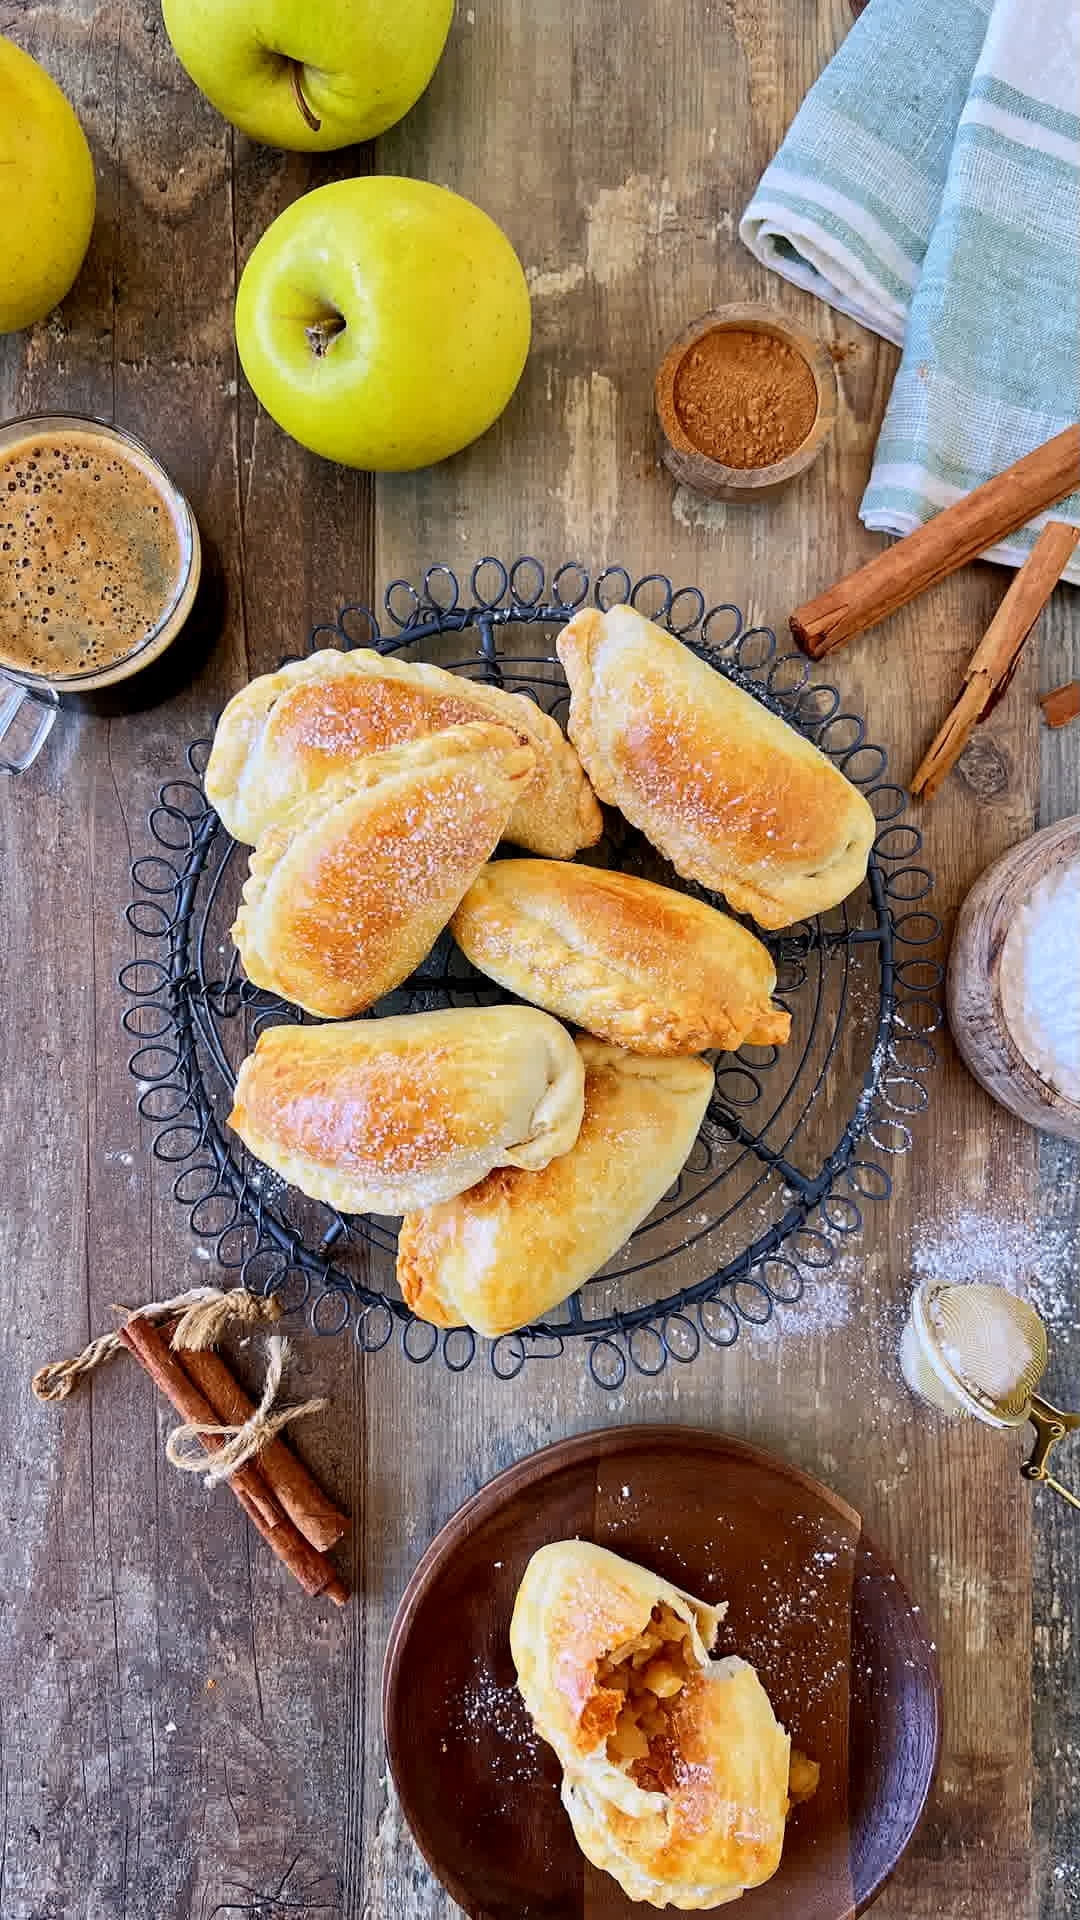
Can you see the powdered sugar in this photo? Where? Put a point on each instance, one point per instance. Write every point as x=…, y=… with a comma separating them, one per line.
x=500, y=1715
x=1036, y=1257
x=1040, y=980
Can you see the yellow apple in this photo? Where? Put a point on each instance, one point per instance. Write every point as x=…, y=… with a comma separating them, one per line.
x=383, y=322
x=46, y=191
x=310, y=74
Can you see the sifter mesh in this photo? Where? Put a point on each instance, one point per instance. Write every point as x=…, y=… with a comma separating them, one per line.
x=992, y=1342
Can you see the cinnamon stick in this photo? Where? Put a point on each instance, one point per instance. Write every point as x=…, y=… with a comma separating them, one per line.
x=953, y=537
x=151, y=1349
x=312, y=1569
x=316, y=1574
x=1062, y=704
x=299, y=1493
x=994, y=661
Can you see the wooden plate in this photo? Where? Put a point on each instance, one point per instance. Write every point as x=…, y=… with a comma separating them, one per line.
x=812, y=1602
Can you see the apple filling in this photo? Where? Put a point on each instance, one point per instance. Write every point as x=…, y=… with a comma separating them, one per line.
x=649, y=1673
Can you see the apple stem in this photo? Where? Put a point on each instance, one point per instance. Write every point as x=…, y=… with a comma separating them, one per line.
x=298, y=94
x=322, y=332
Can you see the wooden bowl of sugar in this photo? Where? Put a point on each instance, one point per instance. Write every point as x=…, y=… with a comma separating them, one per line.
x=746, y=401
x=1013, y=986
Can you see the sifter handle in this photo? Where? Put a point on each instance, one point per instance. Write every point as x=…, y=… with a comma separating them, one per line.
x=1051, y=1424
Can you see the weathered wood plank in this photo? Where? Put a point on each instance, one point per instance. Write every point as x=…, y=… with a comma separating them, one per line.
x=165, y=1693
x=1056, y=1586
x=182, y=1733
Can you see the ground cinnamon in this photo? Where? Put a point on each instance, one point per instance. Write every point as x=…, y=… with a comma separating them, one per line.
x=744, y=397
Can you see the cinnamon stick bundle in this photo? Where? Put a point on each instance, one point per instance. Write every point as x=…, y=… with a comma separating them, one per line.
x=995, y=659
x=299, y=1494
x=953, y=537
x=316, y=1574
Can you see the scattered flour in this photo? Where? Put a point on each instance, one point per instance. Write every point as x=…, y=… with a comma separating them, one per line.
x=1039, y=1259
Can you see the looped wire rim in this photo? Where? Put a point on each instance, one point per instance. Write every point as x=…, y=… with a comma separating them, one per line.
x=176, y=1007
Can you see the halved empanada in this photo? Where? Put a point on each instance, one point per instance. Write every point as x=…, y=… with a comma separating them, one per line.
x=637, y=964
x=506, y=1251
x=286, y=733
x=347, y=894
x=676, y=1771
x=379, y=1116
x=730, y=793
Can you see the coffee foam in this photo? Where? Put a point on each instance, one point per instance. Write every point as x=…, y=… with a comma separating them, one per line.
x=91, y=553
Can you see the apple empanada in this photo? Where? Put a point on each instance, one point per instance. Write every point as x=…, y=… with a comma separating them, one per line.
x=502, y=1254
x=676, y=1771
x=286, y=733
x=380, y=1116
x=730, y=793
x=637, y=964
x=351, y=889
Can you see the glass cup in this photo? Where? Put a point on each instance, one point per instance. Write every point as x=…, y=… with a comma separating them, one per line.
x=26, y=721
x=28, y=699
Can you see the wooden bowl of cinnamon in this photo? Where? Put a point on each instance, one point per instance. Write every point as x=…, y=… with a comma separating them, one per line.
x=746, y=400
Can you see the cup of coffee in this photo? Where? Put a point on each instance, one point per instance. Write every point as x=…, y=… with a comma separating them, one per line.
x=99, y=554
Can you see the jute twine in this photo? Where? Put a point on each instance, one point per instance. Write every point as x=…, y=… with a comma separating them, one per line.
x=182, y=1447
x=204, y=1313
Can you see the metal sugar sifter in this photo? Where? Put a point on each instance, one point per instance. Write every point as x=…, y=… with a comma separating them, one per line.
x=980, y=1350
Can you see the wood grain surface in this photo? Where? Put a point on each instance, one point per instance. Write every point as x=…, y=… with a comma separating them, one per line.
x=182, y=1733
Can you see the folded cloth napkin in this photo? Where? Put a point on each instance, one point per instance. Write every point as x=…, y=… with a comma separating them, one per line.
x=929, y=186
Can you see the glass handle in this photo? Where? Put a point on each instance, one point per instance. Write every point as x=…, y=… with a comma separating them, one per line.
x=27, y=715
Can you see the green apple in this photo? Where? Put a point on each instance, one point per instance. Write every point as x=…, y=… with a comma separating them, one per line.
x=46, y=191
x=383, y=322
x=310, y=74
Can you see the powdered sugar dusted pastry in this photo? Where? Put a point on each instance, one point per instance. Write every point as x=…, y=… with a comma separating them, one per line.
x=638, y=964
x=719, y=1764
x=351, y=889
x=733, y=796
x=675, y=1769
x=380, y=1116
x=502, y=1254
x=287, y=732
x=581, y=1617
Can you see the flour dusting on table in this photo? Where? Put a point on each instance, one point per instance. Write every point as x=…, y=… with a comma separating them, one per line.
x=1037, y=1258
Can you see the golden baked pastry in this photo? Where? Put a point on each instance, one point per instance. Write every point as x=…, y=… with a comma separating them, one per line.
x=287, y=732
x=634, y=963
x=349, y=891
x=720, y=1770
x=729, y=793
x=379, y=1116
x=500, y=1255
x=675, y=1768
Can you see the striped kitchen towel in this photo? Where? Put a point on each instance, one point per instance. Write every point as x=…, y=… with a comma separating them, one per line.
x=929, y=186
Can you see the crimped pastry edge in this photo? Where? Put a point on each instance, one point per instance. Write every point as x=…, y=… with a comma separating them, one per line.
x=579, y=637
x=645, y=1028
x=243, y=722
x=363, y=776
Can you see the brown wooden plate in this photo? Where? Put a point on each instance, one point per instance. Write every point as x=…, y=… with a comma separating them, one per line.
x=812, y=1602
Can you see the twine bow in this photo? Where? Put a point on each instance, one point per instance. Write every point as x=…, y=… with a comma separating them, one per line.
x=204, y=1314
x=182, y=1447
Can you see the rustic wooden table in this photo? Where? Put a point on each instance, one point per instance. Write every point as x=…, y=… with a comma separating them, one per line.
x=184, y=1735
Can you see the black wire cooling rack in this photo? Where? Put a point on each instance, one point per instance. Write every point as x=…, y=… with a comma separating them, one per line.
x=795, y=1138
